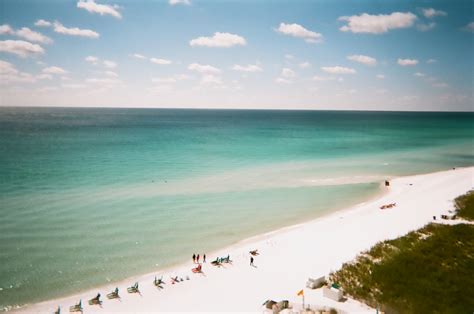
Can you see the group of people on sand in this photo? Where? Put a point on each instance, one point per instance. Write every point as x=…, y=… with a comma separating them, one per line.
x=197, y=257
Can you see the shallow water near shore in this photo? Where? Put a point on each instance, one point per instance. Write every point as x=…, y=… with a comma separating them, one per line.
x=90, y=196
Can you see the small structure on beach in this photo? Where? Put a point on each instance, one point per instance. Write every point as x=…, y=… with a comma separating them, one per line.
x=315, y=283
x=332, y=292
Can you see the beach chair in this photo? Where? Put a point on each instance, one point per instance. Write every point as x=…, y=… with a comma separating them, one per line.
x=254, y=252
x=174, y=280
x=158, y=282
x=217, y=263
x=133, y=289
x=96, y=300
x=76, y=308
x=114, y=294
x=197, y=270
x=58, y=311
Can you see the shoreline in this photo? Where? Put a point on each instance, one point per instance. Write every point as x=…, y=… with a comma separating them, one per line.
x=267, y=243
x=184, y=265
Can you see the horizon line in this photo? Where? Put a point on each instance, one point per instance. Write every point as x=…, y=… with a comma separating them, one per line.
x=240, y=109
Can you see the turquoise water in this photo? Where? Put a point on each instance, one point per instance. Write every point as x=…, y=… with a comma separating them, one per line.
x=90, y=196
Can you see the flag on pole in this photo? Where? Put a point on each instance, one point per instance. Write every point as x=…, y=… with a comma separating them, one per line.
x=301, y=292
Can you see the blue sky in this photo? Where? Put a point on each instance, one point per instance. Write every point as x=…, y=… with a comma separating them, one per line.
x=363, y=55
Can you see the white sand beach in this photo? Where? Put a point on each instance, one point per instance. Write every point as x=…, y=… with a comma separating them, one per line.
x=287, y=256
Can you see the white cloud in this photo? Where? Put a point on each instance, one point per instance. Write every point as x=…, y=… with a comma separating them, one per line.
x=419, y=74
x=338, y=70
x=430, y=61
x=281, y=80
x=7, y=68
x=247, y=68
x=9, y=74
x=377, y=24
x=285, y=76
x=111, y=73
x=92, y=59
x=286, y=72
x=73, y=86
x=42, y=23
x=138, y=56
x=289, y=57
x=407, y=62
x=106, y=63
x=110, y=64
x=469, y=27
x=380, y=76
x=160, y=61
x=363, y=59
x=181, y=77
x=20, y=48
x=25, y=33
x=425, y=27
x=304, y=65
x=30, y=35
x=211, y=79
x=47, y=89
x=430, y=13
x=323, y=78
x=299, y=31
x=102, y=9
x=219, y=40
x=44, y=77
x=167, y=80
x=74, y=31
x=6, y=29
x=104, y=81
x=54, y=70
x=203, y=68
x=171, y=80
x=175, y=2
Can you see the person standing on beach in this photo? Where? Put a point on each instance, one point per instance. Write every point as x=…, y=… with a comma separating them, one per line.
x=197, y=258
x=251, y=261
x=194, y=258
x=204, y=258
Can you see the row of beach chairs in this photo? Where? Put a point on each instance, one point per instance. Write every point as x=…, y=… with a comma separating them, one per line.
x=156, y=282
x=115, y=294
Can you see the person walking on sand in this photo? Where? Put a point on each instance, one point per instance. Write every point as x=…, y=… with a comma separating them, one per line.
x=197, y=258
x=204, y=258
x=194, y=258
x=251, y=261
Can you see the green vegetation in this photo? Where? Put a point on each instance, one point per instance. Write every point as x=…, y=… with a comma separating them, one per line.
x=427, y=271
x=465, y=206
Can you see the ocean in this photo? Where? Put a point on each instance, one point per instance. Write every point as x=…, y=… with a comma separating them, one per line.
x=92, y=196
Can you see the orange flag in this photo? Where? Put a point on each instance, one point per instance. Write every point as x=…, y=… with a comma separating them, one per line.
x=301, y=292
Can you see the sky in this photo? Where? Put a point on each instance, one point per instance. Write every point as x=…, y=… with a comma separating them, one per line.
x=331, y=55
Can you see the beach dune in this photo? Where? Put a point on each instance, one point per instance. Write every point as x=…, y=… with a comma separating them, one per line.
x=288, y=257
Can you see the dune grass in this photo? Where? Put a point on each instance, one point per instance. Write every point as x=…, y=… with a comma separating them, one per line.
x=430, y=270
x=465, y=206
